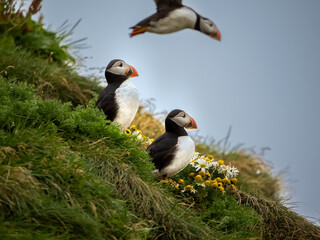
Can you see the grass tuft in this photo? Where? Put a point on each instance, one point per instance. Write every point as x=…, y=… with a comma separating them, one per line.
x=52, y=80
x=280, y=221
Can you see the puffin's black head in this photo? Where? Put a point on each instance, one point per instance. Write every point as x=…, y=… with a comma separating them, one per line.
x=118, y=71
x=178, y=119
x=208, y=27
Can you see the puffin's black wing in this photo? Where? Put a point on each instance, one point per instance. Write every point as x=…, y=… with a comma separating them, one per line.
x=106, y=102
x=162, y=150
x=168, y=4
x=164, y=7
x=153, y=18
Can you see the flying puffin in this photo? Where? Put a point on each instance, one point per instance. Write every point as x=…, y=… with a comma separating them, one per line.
x=120, y=99
x=173, y=150
x=173, y=16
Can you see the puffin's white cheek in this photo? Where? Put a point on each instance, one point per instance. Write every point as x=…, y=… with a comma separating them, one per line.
x=117, y=70
x=180, y=121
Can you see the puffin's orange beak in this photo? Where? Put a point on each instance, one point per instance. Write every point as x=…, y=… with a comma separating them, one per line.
x=216, y=35
x=138, y=30
x=134, y=72
x=192, y=124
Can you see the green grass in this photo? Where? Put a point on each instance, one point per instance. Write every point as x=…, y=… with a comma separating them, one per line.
x=66, y=174
x=19, y=28
x=67, y=165
x=46, y=187
x=52, y=80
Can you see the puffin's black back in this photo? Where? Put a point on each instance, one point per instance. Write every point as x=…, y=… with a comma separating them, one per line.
x=153, y=18
x=168, y=4
x=106, y=100
x=163, y=149
x=164, y=7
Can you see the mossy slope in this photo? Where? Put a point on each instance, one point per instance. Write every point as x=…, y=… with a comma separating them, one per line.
x=66, y=174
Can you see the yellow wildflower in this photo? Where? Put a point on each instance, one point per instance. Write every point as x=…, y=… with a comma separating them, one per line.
x=151, y=140
x=221, y=162
x=234, y=180
x=221, y=189
x=208, y=174
x=189, y=188
x=201, y=173
x=233, y=186
x=127, y=131
x=226, y=181
x=202, y=165
x=191, y=174
x=210, y=157
x=214, y=184
x=181, y=181
x=134, y=127
x=207, y=182
x=198, y=177
x=218, y=179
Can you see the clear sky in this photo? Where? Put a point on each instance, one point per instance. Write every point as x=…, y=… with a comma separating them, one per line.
x=262, y=79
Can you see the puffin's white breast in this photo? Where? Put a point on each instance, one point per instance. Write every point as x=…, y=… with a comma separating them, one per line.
x=176, y=20
x=183, y=156
x=127, y=98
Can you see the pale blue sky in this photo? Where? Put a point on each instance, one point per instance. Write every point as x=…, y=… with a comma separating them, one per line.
x=263, y=78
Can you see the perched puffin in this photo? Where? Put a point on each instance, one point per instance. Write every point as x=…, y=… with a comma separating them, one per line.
x=173, y=16
x=120, y=99
x=173, y=150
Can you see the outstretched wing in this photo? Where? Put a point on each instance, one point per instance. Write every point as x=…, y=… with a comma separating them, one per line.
x=163, y=9
x=162, y=150
x=167, y=4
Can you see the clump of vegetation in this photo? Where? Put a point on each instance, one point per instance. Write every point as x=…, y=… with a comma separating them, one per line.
x=85, y=178
x=51, y=80
x=17, y=26
x=280, y=222
x=256, y=174
x=47, y=190
x=205, y=172
x=31, y=54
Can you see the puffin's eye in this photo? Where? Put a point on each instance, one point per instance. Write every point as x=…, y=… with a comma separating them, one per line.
x=120, y=65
